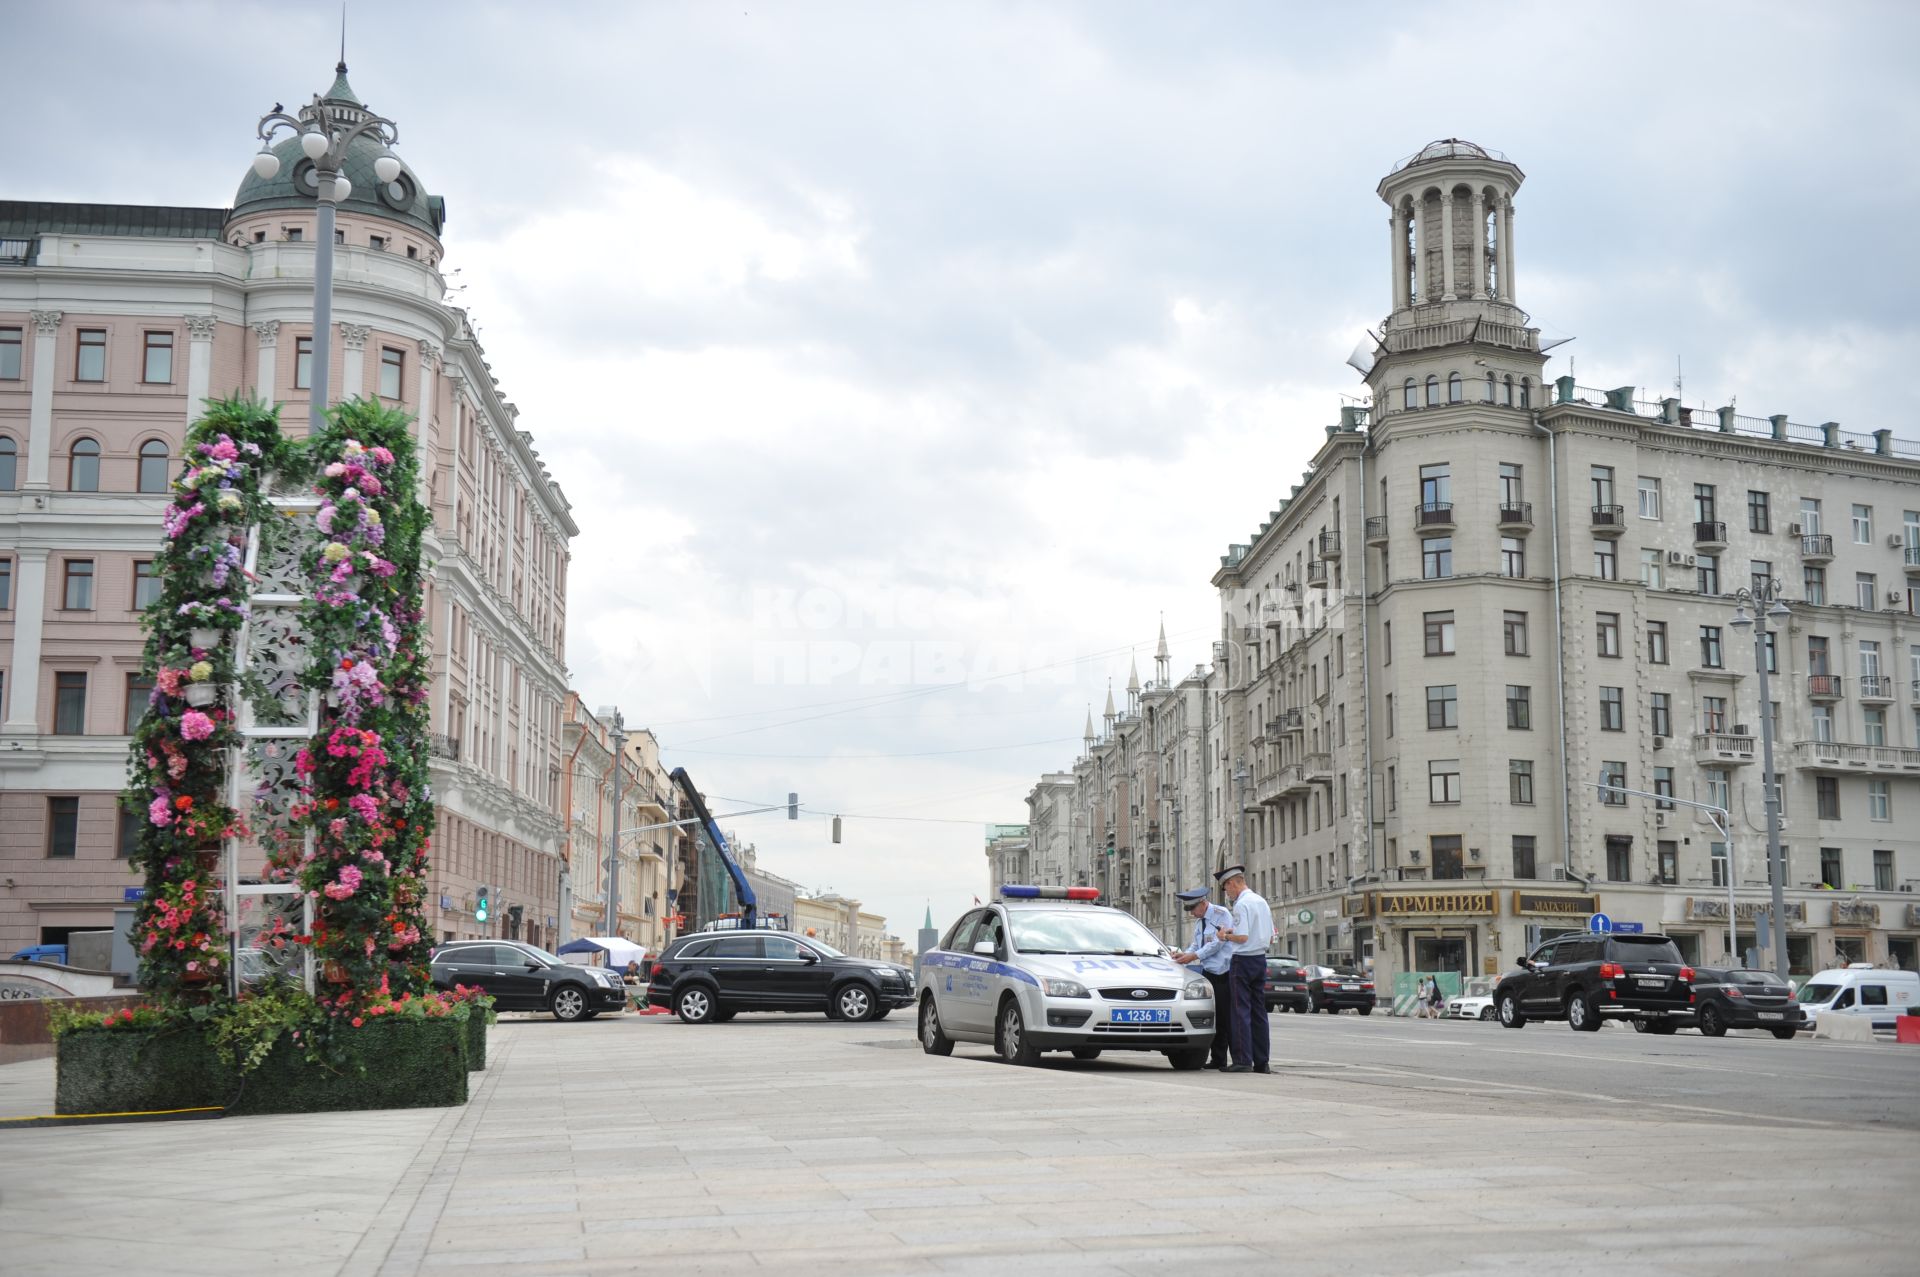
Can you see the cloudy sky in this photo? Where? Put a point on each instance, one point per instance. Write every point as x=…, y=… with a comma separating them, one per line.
x=906, y=364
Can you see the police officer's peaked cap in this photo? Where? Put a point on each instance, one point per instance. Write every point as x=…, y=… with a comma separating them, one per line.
x=1231, y=871
x=1193, y=897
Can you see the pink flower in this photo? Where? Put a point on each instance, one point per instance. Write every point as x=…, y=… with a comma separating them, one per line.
x=381, y=455
x=160, y=811
x=224, y=450
x=195, y=726
x=365, y=806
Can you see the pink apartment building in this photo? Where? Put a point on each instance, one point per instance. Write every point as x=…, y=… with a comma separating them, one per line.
x=115, y=322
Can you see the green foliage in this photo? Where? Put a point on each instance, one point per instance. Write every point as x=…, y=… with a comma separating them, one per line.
x=63, y=1017
x=243, y=1032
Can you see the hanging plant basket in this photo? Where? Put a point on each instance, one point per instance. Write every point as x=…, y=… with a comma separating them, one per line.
x=201, y=695
x=204, y=637
x=335, y=973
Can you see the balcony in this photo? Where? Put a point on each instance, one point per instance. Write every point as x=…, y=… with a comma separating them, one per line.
x=1268, y=787
x=1825, y=687
x=1293, y=720
x=1710, y=534
x=1292, y=779
x=1276, y=728
x=1328, y=543
x=1833, y=756
x=1609, y=520
x=1515, y=516
x=1376, y=529
x=1910, y=559
x=1319, y=768
x=1717, y=749
x=441, y=745
x=1434, y=516
x=1876, y=687
x=1816, y=547
x=1317, y=574
x=1273, y=615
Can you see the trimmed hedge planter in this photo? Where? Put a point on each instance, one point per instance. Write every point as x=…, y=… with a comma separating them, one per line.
x=476, y=1027
x=410, y=1063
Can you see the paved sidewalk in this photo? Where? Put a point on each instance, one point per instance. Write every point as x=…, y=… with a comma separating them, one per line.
x=799, y=1145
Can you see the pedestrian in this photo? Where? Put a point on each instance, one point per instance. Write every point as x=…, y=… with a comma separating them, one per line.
x=1437, y=999
x=1251, y=931
x=1420, y=999
x=1213, y=954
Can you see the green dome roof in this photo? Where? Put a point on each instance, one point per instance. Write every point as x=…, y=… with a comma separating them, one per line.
x=402, y=200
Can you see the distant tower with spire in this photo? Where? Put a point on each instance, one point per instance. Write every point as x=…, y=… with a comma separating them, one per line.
x=1163, y=660
x=1133, y=688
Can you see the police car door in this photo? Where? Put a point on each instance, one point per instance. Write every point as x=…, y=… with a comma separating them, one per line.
x=972, y=989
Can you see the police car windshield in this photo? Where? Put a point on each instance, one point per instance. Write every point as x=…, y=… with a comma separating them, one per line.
x=1079, y=931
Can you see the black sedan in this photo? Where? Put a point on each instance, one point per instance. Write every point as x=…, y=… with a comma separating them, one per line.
x=1743, y=999
x=1287, y=986
x=525, y=977
x=1337, y=991
x=709, y=977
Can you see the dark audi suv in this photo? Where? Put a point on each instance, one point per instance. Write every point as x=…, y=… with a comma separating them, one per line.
x=525, y=977
x=1742, y=999
x=1287, y=986
x=1586, y=979
x=710, y=976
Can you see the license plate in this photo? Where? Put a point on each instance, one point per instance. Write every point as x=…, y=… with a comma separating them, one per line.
x=1141, y=1015
x=1654, y=981
x=1773, y=1015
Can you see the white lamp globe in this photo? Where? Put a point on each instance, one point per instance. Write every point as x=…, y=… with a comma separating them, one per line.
x=314, y=144
x=266, y=166
x=386, y=168
x=341, y=189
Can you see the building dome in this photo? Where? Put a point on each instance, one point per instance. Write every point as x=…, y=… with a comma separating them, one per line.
x=402, y=200
x=1450, y=148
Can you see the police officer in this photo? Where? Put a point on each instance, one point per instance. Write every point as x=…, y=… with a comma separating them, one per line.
x=1249, y=931
x=1212, y=954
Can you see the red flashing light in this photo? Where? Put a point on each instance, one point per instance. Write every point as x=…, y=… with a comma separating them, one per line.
x=1083, y=893
x=1612, y=971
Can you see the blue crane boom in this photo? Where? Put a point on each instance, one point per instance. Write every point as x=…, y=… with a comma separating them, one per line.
x=742, y=889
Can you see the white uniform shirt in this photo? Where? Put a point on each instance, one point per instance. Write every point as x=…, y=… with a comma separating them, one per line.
x=1254, y=920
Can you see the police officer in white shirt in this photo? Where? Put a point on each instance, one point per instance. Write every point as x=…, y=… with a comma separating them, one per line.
x=1249, y=933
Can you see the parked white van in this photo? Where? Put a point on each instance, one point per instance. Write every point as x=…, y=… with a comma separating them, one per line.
x=1861, y=989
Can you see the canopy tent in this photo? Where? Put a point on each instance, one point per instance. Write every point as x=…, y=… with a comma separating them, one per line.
x=619, y=952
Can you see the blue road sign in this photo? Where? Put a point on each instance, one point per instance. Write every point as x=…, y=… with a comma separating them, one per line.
x=1629, y=928
x=133, y=893
x=1600, y=924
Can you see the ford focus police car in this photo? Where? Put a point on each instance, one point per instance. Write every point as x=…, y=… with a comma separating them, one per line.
x=1046, y=969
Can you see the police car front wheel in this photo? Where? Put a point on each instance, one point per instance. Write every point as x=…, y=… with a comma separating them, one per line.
x=933, y=1039
x=1015, y=1046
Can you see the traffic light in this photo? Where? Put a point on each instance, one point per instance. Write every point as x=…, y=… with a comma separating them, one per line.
x=482, y=909
x=793, y=806
x=1109, y=844
x=836, y=829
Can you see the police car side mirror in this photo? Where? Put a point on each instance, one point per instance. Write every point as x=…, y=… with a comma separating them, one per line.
x=983, y=946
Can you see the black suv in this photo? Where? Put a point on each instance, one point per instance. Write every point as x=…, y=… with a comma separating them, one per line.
x=524, y=977
x=1337, y=991
x=710, y=976
x=1287, y=986
x=1742, y=999
x=1585, y=979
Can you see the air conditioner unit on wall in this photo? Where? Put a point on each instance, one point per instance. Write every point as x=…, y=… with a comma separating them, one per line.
x=1895, y=598
x=1895, y=540
x=1659, y=742
x=1660, y=819
x=1676, y=556
x=1793, y=529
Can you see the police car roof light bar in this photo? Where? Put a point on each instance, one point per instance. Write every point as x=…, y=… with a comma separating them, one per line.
x=1020, y=891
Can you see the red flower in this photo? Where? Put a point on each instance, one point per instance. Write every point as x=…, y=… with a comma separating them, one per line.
x=184, y=802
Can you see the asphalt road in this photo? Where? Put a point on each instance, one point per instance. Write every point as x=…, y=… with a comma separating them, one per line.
x=1465, y=1066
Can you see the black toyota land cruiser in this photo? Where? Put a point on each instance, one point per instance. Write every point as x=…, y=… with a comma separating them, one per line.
x=1586, y=979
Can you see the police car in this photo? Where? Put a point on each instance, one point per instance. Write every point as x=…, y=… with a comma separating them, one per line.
x=1047, y=969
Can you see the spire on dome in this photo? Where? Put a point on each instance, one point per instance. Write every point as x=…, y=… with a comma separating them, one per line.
x=1162, y=653
x=1089, y=735
x=1133, y=674
x=1110, y=713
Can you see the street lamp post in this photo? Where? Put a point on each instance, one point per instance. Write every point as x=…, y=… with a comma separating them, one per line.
x=613, y=855
x=1722, y=821
x=324, y=139
x=1775, y=609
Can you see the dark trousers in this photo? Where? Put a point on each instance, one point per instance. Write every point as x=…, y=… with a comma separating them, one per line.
x=1222, y=1015
x=1249, y=976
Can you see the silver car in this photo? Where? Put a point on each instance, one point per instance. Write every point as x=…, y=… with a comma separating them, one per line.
x=1036, y=972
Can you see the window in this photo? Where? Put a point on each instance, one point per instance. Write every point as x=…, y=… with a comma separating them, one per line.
x=83, y=466
x=153, y=466
x=1660, y=713
x=156, y=365
x=1704, y=503
x=1443, y=706
x=146, y=585
x=303, y=363
x=9, y=463
x=1883, y=870
x=1526, y=392
x=90, y=355
x=1613, y=709
x=1513, y=556
x=1717, y=857
x=1759, y=516
x=1649, y=497
x=1759, y=575
x=1389, y=713
x=1711, y=655
x=77, y=588
x=139, y=689
x=1826, y=797
x=1874, y=724
x=1409, y=394
x=10, y=348
x=378, y=243
x=1669, y=869
x=1651, y=569
x=1433, y=391
x=1663, y=786
x=1657, y=642
x=1707, y=573
x=1619, y=858
x=1864, y=591
x=63, y=828
x=69, y=704
x=126, y=839
x=1879, y=800
x=1614, y=775
x=1386, y=642
x=1823, y=722
x=1606, y=627
x=1863, y=525
x=1606, y=561
x=1815, y=582
x=1493, y=389
x=1439, y=632
x=1523, y=862
x=1446, y=856
x=1393, y=788
x=6, y=584
x=1713, y=713
x=1832, y=870
x=1436, y=488
x=1520, y=781
x=1519, y=707
x=1453, y=388
x=1718, y=790
x=1600, y=479
x=1512, y=492
x=1443, y=780
x=1436, y=557
x=1817, y=653
x=1809, y=516
x=1513, y=628
x=1509, y=390
x=391, y=361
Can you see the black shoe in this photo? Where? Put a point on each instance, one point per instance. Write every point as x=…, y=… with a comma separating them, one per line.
x=1261, y=1068
x=1238, y=1068
x=1221, y=1066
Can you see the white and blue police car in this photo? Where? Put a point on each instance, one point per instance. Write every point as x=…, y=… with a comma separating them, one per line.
x=1048, y=969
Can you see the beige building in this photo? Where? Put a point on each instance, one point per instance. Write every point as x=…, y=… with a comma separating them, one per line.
x=588, y=743
x=116, y=321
